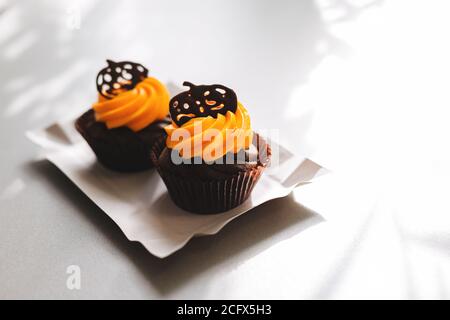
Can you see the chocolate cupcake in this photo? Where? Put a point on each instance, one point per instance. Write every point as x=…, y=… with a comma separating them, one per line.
x=211, y=159
x=129, y=117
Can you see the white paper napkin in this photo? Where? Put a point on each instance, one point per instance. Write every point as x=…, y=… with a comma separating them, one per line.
x=139, y=203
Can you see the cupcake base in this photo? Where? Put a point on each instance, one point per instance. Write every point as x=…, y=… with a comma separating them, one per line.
x=120, y=149
x=212, y=195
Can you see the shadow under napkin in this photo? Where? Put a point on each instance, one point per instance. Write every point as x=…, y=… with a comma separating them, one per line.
x=237, y=242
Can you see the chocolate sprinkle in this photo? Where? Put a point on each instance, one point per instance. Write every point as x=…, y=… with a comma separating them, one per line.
x=202, y=101
x=118, y=77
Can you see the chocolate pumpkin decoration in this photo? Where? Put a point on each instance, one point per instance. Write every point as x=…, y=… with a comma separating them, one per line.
x=118, y=77
x=202, y=101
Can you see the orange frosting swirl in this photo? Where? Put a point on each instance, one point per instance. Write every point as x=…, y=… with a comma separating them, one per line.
x=136, y=108
x=211, y=138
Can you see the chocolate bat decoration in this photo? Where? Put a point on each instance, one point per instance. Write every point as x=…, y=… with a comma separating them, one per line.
x=202, y=101
x=118, y=77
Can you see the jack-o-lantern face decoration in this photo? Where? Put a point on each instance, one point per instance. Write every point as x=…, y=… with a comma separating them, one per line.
x=202, y=101
x=118, y=77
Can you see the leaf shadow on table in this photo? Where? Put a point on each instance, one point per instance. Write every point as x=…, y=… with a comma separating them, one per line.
x=239, y=241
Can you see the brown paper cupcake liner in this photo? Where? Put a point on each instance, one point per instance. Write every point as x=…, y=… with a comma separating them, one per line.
x=118, y=149
x=212, y=196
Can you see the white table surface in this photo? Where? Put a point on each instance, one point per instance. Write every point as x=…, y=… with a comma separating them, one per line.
x=362, y=87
